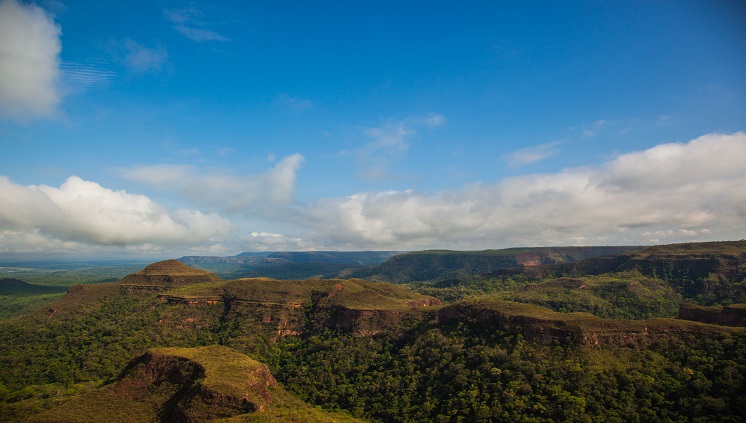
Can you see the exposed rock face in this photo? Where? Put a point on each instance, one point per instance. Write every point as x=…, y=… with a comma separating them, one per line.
x=694, y=268
x=733, y=315
x=198, y=398
x=175, y=385
x=168, y=273
x=574, y=328
x=366, y=322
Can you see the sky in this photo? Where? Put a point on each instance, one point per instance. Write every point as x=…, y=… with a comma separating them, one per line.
x=166, y=128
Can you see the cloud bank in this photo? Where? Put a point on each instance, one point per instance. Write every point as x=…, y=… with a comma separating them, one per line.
x=674, y=192
x=84, y=212
x=238, y=194
x=29, y=61
x=670, y=193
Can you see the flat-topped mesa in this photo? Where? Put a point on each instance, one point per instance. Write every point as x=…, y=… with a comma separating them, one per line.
x=168, y=273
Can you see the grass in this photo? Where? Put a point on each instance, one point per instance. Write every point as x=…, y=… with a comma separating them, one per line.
x=226, y=371
x=698, y=248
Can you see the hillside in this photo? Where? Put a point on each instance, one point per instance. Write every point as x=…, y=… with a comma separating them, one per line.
x=515, y=347
x=433, y=265
x=18, y=297
x=10, y=286
x=189, y=384
x=287, y=265
x=709, y=273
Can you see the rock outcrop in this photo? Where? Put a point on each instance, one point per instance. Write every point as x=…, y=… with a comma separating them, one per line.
x=176, y=385
x=732, y=315
x=583, y=329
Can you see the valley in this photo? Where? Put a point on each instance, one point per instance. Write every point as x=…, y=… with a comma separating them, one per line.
x=572, y=334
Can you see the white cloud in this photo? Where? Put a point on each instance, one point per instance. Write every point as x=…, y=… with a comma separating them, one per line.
x=199, y=34
x=29, y=61
x=241, y=194
x=532, y=154
x=140, y=59
x=82, y=212
x=389, y=142
x=189, y=23
x=677, y=192
x=595, y=128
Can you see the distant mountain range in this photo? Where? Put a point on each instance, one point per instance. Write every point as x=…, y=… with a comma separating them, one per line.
x=391, y=266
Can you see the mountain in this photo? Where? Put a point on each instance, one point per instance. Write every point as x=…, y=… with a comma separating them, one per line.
x=434, y=265
x=287, y=265
x=350, y=258
x=710, y=273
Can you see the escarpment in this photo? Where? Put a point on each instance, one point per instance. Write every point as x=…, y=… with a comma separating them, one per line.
x=540, y=324
x=732, y=315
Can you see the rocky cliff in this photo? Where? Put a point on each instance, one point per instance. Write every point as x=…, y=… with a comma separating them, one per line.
x=731, y=315
x=541, y=324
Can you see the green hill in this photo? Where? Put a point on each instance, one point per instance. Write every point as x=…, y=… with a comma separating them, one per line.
x=433, y=265
x=626, y=296
x=710, y=273
x=190, y=384
x=10, y=286
x=18, y=297
x=287, y=265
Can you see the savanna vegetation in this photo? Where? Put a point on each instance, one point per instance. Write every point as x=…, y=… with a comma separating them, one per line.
x=553, y=344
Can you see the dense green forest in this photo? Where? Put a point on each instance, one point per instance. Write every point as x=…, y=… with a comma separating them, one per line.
x=532, y=344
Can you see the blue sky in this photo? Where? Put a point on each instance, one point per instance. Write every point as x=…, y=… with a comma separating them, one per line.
x=167, y=128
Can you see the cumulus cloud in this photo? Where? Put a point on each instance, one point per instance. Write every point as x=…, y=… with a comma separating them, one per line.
x=29, y=61
x=669, y=193
x=532, y=154
x=241, y=194
x=82, y=212
x=389, y=142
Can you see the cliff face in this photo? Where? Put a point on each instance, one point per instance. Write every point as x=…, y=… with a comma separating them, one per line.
x=733, y=315
x=539, y=324
x=212, y=382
